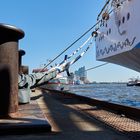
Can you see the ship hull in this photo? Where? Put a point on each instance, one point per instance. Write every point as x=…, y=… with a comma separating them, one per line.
x=59, y=83
x=118, y=39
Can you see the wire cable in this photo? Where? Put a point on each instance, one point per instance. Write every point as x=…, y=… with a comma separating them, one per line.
x=97, y=66
x=71, y=44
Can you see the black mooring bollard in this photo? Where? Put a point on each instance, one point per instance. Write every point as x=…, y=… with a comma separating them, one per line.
x=21, y=54
x=22, y=68
x=9, y=37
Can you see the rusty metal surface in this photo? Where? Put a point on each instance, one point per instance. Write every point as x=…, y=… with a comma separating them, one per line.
x=9, y=57
x=10, y=33
x=28, y=120
x=9, y=36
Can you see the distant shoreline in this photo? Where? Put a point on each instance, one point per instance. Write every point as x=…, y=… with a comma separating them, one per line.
x=108, y=83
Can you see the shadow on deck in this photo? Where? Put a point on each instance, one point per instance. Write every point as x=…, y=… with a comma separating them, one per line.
x=68, y=123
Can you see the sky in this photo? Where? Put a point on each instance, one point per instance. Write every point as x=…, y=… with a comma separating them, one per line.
x=50, y=26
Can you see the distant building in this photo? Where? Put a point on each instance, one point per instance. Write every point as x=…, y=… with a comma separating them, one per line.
x=81, y=74
x=71, y=78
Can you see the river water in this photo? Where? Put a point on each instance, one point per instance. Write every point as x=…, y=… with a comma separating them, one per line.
x=116, y=93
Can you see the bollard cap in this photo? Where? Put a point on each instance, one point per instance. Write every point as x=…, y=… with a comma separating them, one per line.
x=21, y=52
x=10, y=32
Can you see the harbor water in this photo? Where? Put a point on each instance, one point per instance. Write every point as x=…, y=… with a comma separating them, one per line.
x=111, y=92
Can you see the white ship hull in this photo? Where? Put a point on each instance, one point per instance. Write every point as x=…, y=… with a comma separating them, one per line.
x=118, y=38
x=58, y=83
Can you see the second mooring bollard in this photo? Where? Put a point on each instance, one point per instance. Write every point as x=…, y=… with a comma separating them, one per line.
x=22, y=69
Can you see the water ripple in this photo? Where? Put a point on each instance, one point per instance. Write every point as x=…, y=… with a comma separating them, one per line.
x=116, y=93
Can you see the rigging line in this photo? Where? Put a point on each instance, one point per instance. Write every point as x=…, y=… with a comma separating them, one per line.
x=97, y=66
x=81, y=55
x=103, y=9
x=79, y=48
x=111, y=10
x=92, y=68
x=74, y=53
x=72, y=44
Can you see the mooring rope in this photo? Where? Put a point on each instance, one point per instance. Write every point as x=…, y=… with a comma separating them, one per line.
x=81, y=55
x=79, y=48
x=69, y=63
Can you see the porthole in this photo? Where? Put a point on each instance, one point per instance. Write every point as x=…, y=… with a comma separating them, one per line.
x=123, y=19
x=119, y=23
x=109, y=30
x=128, y=16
